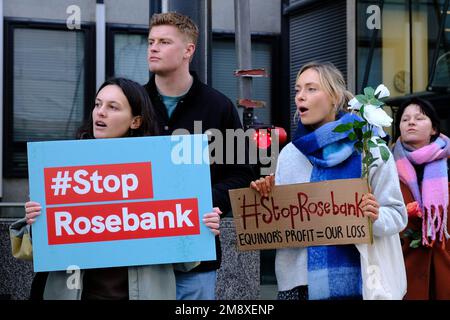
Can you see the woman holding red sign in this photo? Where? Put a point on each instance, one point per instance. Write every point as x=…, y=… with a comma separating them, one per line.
x=421, y=154
x=122, y=109
x=317, y=153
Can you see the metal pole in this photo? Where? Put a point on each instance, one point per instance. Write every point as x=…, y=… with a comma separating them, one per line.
x=1, y=97
x=200, y=12
x=155, y=7
x=100, y=43
x=351, y=45
x=164, y=5
x=244, y=54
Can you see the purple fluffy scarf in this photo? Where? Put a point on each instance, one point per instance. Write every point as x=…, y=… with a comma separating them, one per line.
x=433, y=199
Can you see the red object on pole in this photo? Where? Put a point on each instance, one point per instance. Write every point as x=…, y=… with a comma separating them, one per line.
x=248, y=103
x=282, y=135
x=260, y=72
x=264, y=135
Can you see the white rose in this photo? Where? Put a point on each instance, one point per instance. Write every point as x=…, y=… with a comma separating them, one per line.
x=354, y=104
x=382, y=91
x=377, y=117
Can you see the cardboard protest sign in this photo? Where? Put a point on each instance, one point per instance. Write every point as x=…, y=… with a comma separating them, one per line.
x=120, y=202
x=299, y=215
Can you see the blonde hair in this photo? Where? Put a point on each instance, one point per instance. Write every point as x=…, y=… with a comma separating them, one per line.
x=183, y=23
x=331, y=81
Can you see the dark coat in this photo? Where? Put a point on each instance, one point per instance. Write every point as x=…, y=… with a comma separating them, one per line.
x=427, y=269
x=215, y=111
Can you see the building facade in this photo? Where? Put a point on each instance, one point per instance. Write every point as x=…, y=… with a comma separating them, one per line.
x=56, y=52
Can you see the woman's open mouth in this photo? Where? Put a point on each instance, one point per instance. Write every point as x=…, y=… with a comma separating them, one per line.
x=302, y=110
x=100, y=124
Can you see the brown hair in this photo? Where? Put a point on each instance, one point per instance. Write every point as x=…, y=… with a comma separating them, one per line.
x=426, y=108
x=183, y=23
x=140, y=104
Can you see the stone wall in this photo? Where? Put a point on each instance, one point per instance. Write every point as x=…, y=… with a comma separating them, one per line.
x=239, y=274
x=15, y=275
x=237, y=279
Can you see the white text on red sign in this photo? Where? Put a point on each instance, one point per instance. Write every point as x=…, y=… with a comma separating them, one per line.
x=96, y=183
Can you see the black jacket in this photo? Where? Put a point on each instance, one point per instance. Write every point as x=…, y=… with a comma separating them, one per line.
x=215, y=111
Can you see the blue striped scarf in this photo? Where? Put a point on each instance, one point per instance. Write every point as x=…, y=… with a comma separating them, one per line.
x=334, y=272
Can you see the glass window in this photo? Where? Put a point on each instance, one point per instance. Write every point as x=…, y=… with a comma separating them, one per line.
x=441, y=69
x=48, y=90
x=12, y=211
x=405, y=51
x=130, y=57
x=48, y=84
x=399, y=53
x=383, y=46
x=223, y=79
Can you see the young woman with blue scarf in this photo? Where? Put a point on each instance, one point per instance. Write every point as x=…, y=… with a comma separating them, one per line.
x=316, y=153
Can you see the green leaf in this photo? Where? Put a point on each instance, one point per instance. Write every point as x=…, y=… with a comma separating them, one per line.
x=372, y=161
x=415, y=244
x=367, y=134
x=362, y=99
x=417, y=235
x=352, y=136
x=359, y=146
x=372, y=144
x=408, y=233
x=369, y=92
x=376, y=102
x=385, y=154
x=381, y=141
x=343, y=127
x=359, y=124
x=369, y=159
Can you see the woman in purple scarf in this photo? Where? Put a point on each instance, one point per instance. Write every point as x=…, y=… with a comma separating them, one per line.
x=421, y=154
